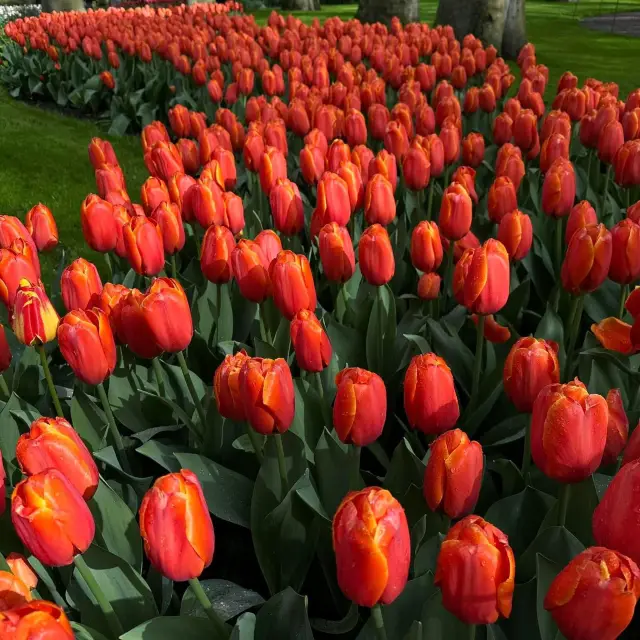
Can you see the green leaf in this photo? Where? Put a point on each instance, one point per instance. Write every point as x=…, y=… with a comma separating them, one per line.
x=381, y=330
x=509, y=430
x=10, y=431
x=129, y=594
x=348, y=344
x=162, y=454
x=308, y=421
x=119, y=125
x=550, y=327
x=523, y=622
x=116, y=526
x=457, y=355
x=125, y=402
x=207, y=317
x=556, y=543
x=439, y=624
x=228, y=493
x=416, y=632
x=88, y=420
x=520, y=516
x=172, y=627
x=284, y=617
x=546, y=571
x=228, y=599
x=338, y=627
x=245, y=627
x=404, y=480
x=85, y=633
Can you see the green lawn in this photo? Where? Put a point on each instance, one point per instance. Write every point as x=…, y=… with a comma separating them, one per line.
x=43, y=154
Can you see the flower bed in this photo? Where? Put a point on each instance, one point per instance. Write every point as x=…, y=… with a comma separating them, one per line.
x=371, y=317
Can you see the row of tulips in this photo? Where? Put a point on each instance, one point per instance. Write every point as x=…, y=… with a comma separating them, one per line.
x=310, y=330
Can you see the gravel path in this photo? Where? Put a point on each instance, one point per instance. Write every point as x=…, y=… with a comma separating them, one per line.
x=627, y=24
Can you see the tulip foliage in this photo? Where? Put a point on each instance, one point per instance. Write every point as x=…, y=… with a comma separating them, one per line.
x=359, y=361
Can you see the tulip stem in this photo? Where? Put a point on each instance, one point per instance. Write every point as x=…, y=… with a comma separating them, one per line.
x=472, y=632
x=49, y=379
x=255, y=443
x=157, y=373
x=607, y=179
x=563, y=504
x=559, y=234
x=355, y=467
x=174, y=268
x=526, y=456
x=282, y=464
x=575, y=316
x=383, y=331
x=194, y=396
x=624, y=294
x=220, y=629
x=477, y=365
x=448, y=282
x=430, y=205
x=98, y=594
x=378, y=621
x=115, y=434
x=3, y=386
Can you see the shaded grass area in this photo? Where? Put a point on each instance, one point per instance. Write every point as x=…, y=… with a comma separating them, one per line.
x=43, y=155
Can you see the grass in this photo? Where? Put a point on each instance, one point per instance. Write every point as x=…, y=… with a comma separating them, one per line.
x=44, y=154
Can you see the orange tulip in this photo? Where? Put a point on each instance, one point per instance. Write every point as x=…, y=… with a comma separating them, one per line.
x=466, y=176
x=310, y=342
x=615, y=335
x=453, y=474
x=312, y=163
x=13, y=593
x=143, y=243
x=333, y=203
x=594, y=596
x=416, y=168
x=253, y=150
x=627, y=164
x=375, y=256
x=179, y=121
x=163, y=160
x=525, y=132
x=51, y=518
x=430, y=399
x=559, y=188
x=273, y=165
x=250, y=268
x=152, y=193
x=269, y=241
x=455, y=212
x=617, y=427
x=516, y=234
x=502, y=199
x=426, y=247
x=509, y=164
x=292, y=281
x=372, y=545
x=34, y=320
x=473, y=149
x=555, y=146
x=101, y=152
x=35, y=620
x=610, y=139
x=587, y=261
x=476, y=572
x=79, y=282
x=502, y=129
x=493, y=331
x=286, y=207
x=98, y=224
x=226, y=387
x=266, y=389
x=338, y=153
x=355, y=128
x=429, y=286
x=21, y=568
x=568, y=431
x=580, y=216
x=631, y=124
x=215, y=258
x=109, y=178
x=336, y=252
x=450, y=136
x=14, y=268
x=41, y=224
x=379, y=201
x=625, y=258
x=378, y=118
x=176, y=503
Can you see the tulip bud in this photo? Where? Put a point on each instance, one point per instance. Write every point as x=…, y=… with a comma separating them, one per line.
x=109, y=178
x=385, y=164
x=338, y=153
x=481, y=278
x=617, y=427
x=34, y=620
x=429, y=286
x=333, y=201
x=430, y=399
x=167, y=217
x=252, y=150
x=15, y=266
x=166, y=312
x=163, y=160
x=416, y=168
x=179, y=121
x=315, y=138
x=273, y=165
x=555, y=146
x=269, y=241
x=266, y=389
x=41, y=224
x=215, y=258
x=86, y=343
x=581, y=215
x=98, y=224
x=21, y=568
x=310, y=342
x=615, y=335
x=143, y=243
x=352, y=177
x=631, y=124
x=286, y=207
x=226, y=387
x=176, y=502
x=473, y=149
x=378, y=118
x=101, y=152
x=425, y=120
x=450, y=136
x=471, y=100
x=152, y=193
x=559, y=188
x=509, y=164
x=52, y=443
x=250, y=268
x=292, y=281
x=611, y=138
x=502, y=129
x=79, y=282
x=587, y=261
x=625, y=248
x=502, y=199
x=466, y=176
x=336, y=252
x=380, y=203
x=34, y=320
x=455, y=212
x=426, y=247
x=51, y=518
x=371, y=568
x=476, y=572
x=568, y=431
x=360, y=406
x=375, y=256
x=109, y=298
x=516, y=234
x=453, y=475
x=311, y=164
x=627, y=164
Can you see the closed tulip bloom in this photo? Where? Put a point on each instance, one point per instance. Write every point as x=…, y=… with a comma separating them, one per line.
x=450, y=136
x=153, y=192
x=215, y=258
x=168, y=218
x=378, y=118
x=396, y=140
x=360, y=406
x=310, y=342
x=21, y=568
x=625, y=253
x=471, y=100
x=610, y=139
x=555, y=146
x=568, y=431
x=14, y=268
x=502, y=199
x=167, y=313
x=292, y=281
x=627, y=164
x=312, y=162
x=80, y=281
x=435, y=150
x=13, y=593
x=41, y=224
x=226, y=386
x=163, y=160
x=466, y=176
x=51, y=518
x=109, y=178
x=631, y=124
x=426, y=247
x=559, y=188
x=502, y=129
x=273, y=165
x=252, y=150
x=11, y=229
x=28, y=250
x=476, y=572
x=375, y=256
x=587, y=261
x=205, y=202
x=153, y=133
x=336, y=252
x=101, y=152
x=379, y=201
x=355, y=128
x=352, y=177
x=473, y=149
x=594, y=596
x=131, y=326
x=338, y=153
x=385, y=164
x=487, y=98
x=455, y=212
x=429, y=286
x=532, y=365
x=372, y=544
x=34, y=320
x=509, y=163
x=266, y=389
x=298, y=118
x=481, y=278
x=250, y=269
x=453, y=475
x=179, y=121
x=525, y=131
x=315, y=138
x=143, y=243
x=581, y=215
x=430, y=399
x=269, y=241
x=615, y=335
x=333, y=201
x=87, y=344
x=416, y=168
x=52, y=443
x=109, y=298
x=35, y=620
x=516, y=234
x=98, y=224
x=176, y=503
x=617, y=427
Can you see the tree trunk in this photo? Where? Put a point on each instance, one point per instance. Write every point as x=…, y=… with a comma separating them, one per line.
x=515, y=29
x=385, y=10
x=62, y=5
